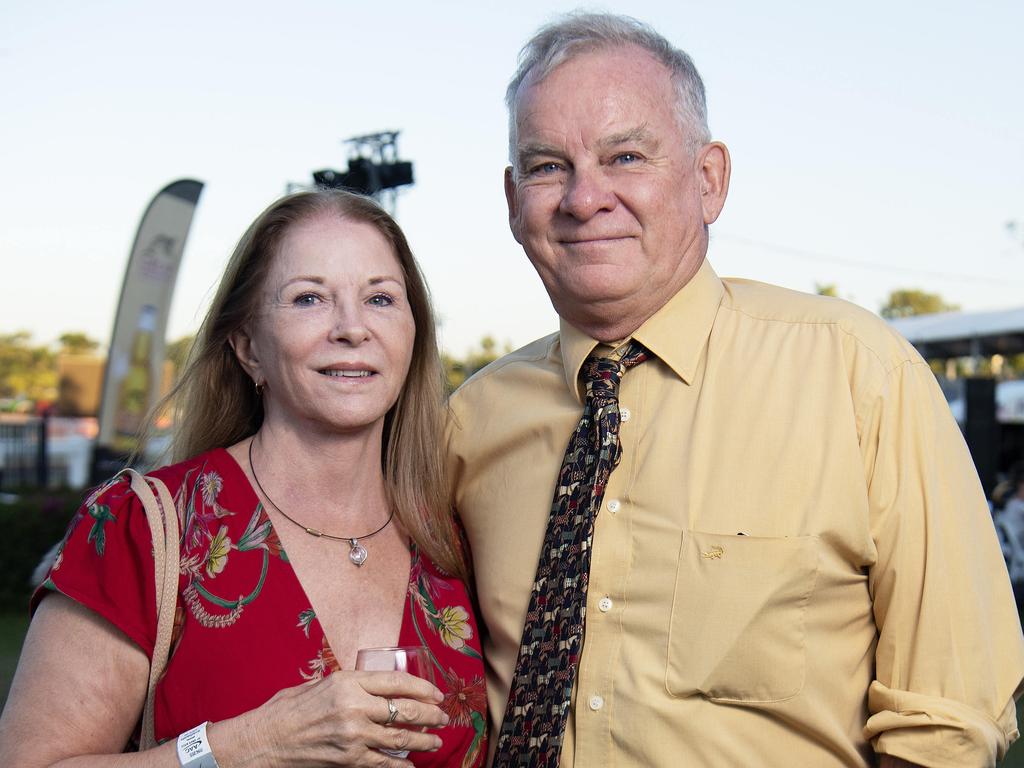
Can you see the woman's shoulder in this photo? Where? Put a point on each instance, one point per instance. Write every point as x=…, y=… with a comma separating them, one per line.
x=118, y=487
x=215, y=463
x=103, y=561
x=208, y=474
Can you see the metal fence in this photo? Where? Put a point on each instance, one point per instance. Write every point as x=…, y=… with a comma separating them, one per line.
x=23, y=453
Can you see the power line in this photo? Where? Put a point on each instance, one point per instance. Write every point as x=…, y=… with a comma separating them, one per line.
x=874, y=266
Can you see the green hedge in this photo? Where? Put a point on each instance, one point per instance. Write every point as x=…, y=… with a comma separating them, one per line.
x=29, y=527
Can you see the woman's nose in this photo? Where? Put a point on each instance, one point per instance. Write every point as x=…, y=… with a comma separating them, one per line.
x=350, y=326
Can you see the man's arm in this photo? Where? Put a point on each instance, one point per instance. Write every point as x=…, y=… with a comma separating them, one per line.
x=950, y=656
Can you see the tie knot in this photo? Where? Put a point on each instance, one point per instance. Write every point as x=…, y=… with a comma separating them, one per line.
x=602, y=375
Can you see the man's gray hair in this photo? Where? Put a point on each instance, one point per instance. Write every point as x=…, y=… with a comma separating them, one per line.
x=579, y=33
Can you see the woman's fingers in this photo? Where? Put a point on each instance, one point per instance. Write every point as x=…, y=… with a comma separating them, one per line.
x=403, y=739
x=410, y=712
x=383, y=760
x=394, y=684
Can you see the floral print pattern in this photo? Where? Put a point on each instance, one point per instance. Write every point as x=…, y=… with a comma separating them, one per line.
x=217, y=555
x=101, y=514
x=243, y=627
x=453, y=626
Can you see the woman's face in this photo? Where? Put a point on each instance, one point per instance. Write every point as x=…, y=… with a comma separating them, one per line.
x=334, y=335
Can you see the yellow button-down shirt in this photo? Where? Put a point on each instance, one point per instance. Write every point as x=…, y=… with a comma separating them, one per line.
x=794, y=564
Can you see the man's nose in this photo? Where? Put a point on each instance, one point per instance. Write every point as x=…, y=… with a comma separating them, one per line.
x=586, y=193
x=350, y=325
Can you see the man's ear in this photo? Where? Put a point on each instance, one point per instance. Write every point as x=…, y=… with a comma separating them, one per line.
x=715, y=168
x=512, y=198
x=245, y=351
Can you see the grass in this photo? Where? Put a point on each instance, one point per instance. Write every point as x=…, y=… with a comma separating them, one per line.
x=12, y=631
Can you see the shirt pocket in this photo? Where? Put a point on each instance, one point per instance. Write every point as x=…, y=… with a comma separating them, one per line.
x=736, y=632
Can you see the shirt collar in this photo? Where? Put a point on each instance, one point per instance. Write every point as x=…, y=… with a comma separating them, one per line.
x=676, y=333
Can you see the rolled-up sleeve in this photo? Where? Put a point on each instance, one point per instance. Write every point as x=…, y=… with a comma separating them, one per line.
x=950, y=657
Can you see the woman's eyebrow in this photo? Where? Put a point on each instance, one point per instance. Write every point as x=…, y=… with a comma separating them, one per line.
x=305, y=279
x=384, y=279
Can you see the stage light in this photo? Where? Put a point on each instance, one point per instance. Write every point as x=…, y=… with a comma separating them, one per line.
x=374, y=169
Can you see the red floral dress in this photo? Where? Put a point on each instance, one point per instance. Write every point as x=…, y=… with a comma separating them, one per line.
x=244, y=629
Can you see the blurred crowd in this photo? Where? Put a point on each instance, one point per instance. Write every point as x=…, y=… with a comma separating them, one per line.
x=1008, y=515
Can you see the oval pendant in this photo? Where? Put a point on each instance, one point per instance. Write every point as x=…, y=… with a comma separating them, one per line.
x=358, y=552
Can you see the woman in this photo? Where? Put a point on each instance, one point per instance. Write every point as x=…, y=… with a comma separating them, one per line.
x=311, y=404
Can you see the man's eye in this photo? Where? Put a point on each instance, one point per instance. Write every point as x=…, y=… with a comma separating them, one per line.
x=627, y=158
x=545, y=169
x=381, y=300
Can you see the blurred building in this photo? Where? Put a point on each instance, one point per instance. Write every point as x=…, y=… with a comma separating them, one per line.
x=80, y=384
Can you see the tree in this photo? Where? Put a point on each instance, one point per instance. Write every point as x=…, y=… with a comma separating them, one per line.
x=826, y=289
x=457, y=371
x=77, y=343
x=26, y=372
x=906, y=302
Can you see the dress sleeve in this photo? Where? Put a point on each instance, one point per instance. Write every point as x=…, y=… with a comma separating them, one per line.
x=950, y=657
x=105, y=563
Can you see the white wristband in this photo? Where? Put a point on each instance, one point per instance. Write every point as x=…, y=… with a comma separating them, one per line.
x=194, y=750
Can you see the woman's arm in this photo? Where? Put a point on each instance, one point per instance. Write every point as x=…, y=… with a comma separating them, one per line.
x=78, y=690
x=81, y=684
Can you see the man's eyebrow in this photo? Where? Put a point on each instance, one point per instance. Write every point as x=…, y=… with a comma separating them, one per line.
x=526, y=151
x=636, y=135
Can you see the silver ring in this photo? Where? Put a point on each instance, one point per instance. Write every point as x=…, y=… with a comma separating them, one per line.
x=392, y=711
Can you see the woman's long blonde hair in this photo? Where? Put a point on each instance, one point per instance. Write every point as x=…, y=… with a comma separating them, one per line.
x=217, y=405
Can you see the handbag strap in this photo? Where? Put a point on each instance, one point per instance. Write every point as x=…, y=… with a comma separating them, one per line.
x=163, y=526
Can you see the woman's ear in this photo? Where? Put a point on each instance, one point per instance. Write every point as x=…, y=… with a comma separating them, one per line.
x=242, y=345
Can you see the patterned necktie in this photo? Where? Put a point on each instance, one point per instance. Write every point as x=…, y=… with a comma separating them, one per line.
x=538, y=702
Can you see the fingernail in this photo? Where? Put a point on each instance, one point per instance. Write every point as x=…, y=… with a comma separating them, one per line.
x=444, y=718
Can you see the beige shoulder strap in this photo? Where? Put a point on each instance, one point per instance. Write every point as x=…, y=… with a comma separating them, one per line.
x=163, y=525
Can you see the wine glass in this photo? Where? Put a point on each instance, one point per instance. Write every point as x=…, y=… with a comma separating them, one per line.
x=413, y=659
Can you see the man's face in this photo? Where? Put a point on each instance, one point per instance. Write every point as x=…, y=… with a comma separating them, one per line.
x=606, y=198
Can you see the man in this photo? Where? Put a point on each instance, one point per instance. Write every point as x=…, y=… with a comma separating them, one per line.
x=771, y=529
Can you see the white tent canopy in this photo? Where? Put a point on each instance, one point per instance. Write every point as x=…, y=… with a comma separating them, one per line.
x=972, y=334
x=965, y=334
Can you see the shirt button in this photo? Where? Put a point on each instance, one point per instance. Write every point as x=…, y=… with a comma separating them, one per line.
x=605, y=604
x=624, y=414
x=596, y=702
x=614, y=506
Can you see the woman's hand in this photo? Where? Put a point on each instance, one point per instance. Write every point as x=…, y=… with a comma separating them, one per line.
x=340, y=720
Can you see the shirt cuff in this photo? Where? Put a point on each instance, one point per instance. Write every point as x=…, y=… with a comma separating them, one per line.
x=937, y=732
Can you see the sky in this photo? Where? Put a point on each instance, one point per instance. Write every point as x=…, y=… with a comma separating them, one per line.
x=875, y=145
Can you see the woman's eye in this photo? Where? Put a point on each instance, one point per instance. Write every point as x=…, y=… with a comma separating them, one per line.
x=381, y=300
x=306, y=300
